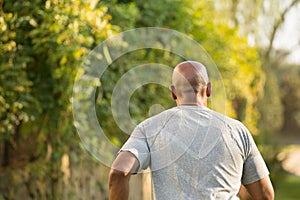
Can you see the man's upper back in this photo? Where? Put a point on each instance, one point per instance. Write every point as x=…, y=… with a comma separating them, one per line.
x=196, y=153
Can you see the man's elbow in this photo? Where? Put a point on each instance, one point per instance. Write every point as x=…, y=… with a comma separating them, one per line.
x=269, y=194
x=116, y=176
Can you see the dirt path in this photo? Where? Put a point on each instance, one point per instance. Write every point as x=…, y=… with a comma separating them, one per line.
x=291, y=162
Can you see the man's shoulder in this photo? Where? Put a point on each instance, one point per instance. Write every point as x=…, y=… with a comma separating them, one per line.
x=218, y=119
x=158, y=118
x=229, y=123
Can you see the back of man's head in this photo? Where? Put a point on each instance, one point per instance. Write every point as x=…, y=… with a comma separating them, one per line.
x=190, y=78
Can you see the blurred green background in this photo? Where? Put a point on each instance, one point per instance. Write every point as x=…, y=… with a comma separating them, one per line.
x=255, y=44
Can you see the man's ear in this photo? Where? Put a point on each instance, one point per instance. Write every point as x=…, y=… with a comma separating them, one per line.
x=173, y=92
x=208, y=89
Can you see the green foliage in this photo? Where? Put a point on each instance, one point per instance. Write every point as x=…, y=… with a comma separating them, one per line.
x=17, y=103
x=42, y=45
x=125, y=15
x=156, y=13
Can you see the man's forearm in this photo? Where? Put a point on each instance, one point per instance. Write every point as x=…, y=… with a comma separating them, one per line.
x=261, y=189
x=244, y=194
x=118, y=185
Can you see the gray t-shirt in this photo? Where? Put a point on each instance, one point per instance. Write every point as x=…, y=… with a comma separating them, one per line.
x=196, y=153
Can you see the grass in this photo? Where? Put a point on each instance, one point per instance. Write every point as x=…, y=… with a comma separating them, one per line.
x=288, y=189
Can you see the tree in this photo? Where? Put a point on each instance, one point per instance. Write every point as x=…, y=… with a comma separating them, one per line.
x=42, y=45
x=289, y=87
x=262, y=25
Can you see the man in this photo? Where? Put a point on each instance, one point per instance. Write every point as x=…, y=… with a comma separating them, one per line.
x=192, y=151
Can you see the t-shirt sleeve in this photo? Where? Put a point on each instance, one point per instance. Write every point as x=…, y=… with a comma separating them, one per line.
x=254, y=166
x=138, y=146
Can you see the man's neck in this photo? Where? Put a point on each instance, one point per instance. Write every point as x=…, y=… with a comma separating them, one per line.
x=192, y=103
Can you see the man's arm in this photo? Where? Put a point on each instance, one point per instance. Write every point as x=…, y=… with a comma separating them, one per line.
x=244, y=194
x=124, y=165
x=259, y=190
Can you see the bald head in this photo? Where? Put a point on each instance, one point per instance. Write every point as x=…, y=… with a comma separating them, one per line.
x=191, y=69
x=189, y=77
